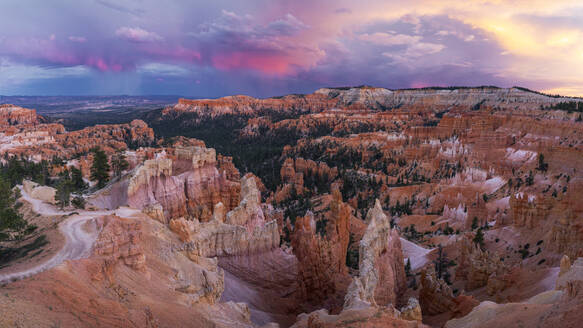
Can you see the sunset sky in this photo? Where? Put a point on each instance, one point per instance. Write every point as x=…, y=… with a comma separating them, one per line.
x=271, y=47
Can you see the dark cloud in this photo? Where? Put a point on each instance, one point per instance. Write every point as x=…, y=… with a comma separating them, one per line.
x=117, y=6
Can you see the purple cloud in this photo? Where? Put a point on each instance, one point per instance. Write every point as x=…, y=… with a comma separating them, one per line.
x=343, y=11
x=79, y=39
x=136, y=34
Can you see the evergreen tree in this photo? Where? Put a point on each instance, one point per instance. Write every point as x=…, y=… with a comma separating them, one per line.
x=100, y=168
x=10, y=220
x=441, y=263
x=408, y=267
x=119, y=164
x=78, y=202
x=63, y=194
x=479, y=238
x=529, y=179
x=475, y=223
x=77, y=179
x=413, y=283
x=542, y=166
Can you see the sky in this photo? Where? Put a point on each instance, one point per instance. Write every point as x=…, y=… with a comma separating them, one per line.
x=212, y=48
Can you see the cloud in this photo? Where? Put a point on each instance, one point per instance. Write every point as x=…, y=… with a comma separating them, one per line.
x=287, y=26
x=458, y=34
x=264, y=47
x=343, y=11
x=115, y=5
x=136, y=34
x=158, y=69
x=389, y=39
x=239, y=42
x=79, y=39
x=12, y=74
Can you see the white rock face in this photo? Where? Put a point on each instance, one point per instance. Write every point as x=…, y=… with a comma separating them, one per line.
x=150, y=169
x=381, y=279
x=249, y=213
x=36, y=191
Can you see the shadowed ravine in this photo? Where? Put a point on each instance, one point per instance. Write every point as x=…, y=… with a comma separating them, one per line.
x=266, y=282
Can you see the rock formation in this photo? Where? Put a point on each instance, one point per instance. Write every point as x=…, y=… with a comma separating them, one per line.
x=372, y=296
x=24, y=133
x=479, y=267
x=560, y=307
x=367, y=98
x=244, y=232
x=118, y=242
x=436, y=297
x=15, y=115
x=36, y=191
x=566, y=235
x=528, y=211
x=189, y=185
x=381, y=279
x=322, y=256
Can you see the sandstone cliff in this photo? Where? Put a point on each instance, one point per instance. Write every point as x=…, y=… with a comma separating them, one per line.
x=381, y=279
x=322, y=272
x=188, y=185
x=15, y=115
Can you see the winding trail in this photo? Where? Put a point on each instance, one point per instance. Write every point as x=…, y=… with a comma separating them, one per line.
x=78, y=241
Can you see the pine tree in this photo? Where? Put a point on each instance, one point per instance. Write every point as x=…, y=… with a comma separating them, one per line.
x=10, y=220
x=475, y=223
x=529, y=179
x=408, y=267
x=100, y=168
x=441, y=263
x=119, y=164
x=542, y=166
x=63, y=194
x=77, y=179
x=479, y=238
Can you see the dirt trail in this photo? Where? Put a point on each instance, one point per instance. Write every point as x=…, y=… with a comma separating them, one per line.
x=80, y=231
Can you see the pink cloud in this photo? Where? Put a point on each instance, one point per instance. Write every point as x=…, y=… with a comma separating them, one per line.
x=420, y=84
x=276, y=65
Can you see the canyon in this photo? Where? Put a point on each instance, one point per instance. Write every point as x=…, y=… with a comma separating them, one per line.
x=347, y=207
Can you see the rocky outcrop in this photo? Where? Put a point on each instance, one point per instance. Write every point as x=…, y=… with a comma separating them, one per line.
x=155, y=211
x=381, y=280
x=479, y=267
x=365, y=318
x=245, y=230
x=111, y=138
x=15, y=115
x=368, y=98
x=188, y=185
x=570, y=279
x=36, y=191
x=321, y=254
x=528, y=211
x=566, y=235
x=436, y=297
x=565, y=265
x=560, y=307
x=24, y=133
x=154, y=185
x=249, y=213
x=118, y=242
